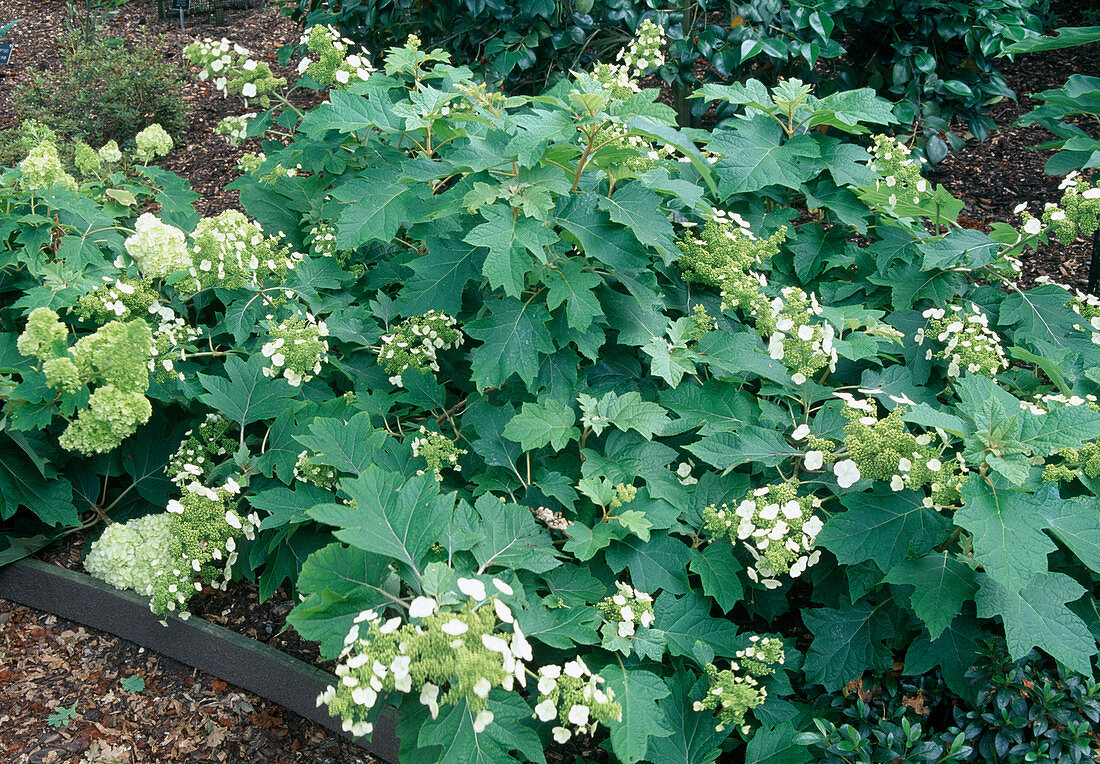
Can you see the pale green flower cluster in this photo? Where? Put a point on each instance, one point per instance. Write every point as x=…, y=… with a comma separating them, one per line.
x=334, y=63
x=42, y=170
x=130, y=555
x=415, y=342
x=44, y=335
x=625, y=609
x=1085, y=459
x=168, y=556
x=576, y=697
x=724, y=256
x=232, y=70
x=152, y=142
x=306, y=470
x=900, y=173
x=969, y=344
x=230, y=251
x=201, y=451
x=110, y=153
x=736, y=691
x=234, y=129
x=86, y=159
x=158, y=249
x=447, y=654
x=778, y=526
x=882, y=449
x=297, y=349
x=123, y=297
x=439, y=451
x=114, y=359
x=802, y=341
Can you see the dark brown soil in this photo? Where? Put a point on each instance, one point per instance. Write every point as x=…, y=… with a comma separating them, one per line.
x=182, y=715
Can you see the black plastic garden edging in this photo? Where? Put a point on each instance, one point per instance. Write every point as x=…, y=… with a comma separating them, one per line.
x=236, y=659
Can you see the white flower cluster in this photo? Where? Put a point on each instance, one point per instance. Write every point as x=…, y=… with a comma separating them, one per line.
x=173, y=335
x=234, y=129
x=1044, y=403
x=803, y=344
x=778, y=526
x=297, y=350
x=198, y=453
x=230, y=251
x=573, y=693
x=900, y=173
x=627, y=607
x=335, y=63
x=157, y=248
x=128, y=555
x=110, y=153
x=970, y=344
x=322, y=240
x=644, y=52
x=449, y=655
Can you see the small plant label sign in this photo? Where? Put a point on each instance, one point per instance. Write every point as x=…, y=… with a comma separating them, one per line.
x=7, y=47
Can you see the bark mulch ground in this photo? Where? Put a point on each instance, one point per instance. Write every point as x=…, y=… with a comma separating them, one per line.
x=48, y=664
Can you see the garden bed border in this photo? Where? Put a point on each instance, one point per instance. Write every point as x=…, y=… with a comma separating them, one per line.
x=232, y=657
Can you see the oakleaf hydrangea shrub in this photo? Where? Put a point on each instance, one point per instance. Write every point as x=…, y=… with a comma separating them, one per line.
x=785, y=489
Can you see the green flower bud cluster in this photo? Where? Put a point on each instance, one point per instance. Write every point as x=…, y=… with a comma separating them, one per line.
x=333, y=63
x=158, y=249
x=297, y=349
x=131, y=555
x=42, y=170
x=125, y=298
x=152, y=142
x=723, y=257
x=439, y=451
x=736, y=691
x=306, y=470
x=230, y=251
x=627, y=607
x=701, y=324
x=205, y=527
x=86, y=159
x=576, y=695
x=200, y=452
x=234, y=129
x=900, y=174
x=779, y=525
x=804, y=345
x=1086, y=459
x=112, y=416
x=250, y=162
x=1079, y=212
x=882, y=449
x=448, y=654
x=415, y=342
x=970, y=345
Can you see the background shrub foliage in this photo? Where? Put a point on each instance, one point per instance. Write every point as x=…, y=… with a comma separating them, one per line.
x=647, y=356
x=935, y=61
